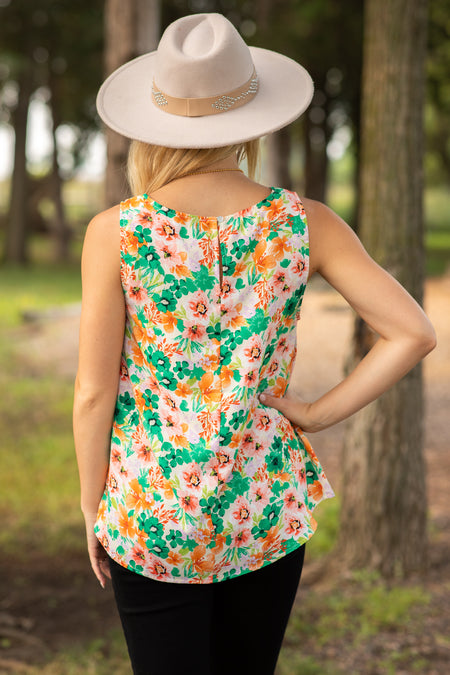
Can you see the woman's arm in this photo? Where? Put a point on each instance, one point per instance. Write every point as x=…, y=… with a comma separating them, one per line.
x=101, y=339
x=405, y=333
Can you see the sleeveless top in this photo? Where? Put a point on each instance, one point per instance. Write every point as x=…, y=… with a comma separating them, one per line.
x=205, y=482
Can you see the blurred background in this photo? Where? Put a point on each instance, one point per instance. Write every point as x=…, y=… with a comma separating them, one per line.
x=58, y=168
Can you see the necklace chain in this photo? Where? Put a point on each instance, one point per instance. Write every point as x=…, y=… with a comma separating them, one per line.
x=195, y=173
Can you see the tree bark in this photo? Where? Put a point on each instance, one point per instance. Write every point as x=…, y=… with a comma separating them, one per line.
x=17, y=223
x=383, y=517
x=278, y=148
x=131, y=28
x=61, y=231
x=316, y=138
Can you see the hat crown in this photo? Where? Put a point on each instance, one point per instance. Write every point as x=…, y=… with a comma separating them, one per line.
x=201, y=55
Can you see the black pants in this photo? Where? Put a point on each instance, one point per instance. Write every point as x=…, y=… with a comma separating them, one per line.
x=232, y=627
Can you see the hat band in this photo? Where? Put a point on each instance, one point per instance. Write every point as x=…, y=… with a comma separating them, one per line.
x=211, y=105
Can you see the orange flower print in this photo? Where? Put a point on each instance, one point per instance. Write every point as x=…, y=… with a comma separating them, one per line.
x=263, y=261
x=209, y=393
x=183, y=390
x=226, y=376
x=272, y=539
x=136, y=498
x=126, y=523
x=202, y=560
x=280, y=246
x=174, y=559
x=315, y=490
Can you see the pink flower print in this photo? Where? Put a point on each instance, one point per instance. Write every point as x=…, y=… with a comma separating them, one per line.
x=251, y=378
x=193, y=330
x=263, y=420
x=199, y=304
x=248, y=441
x=223, y=458
x=254, y=350
x=232, y=316
x=290, y=500
x=282, y=345
x=280, y=283
x=171, y=421
x=273, y=368
x=138, y=554
x=158, y=569
x=116, y=455
x=242, y=510
x=241, y=537
x=227, y=289
x=172, y=256
x=298, y=264
x=188, y=502
x=164, y=228
x=143, y=218
x=141, y=444
x=260, y=495
x=192, y=476
x=294, y=525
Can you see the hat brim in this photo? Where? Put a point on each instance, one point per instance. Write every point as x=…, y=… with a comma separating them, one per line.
x=124, y=102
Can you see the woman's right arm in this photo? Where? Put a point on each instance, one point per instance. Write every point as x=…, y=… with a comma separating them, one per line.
x=405, y=333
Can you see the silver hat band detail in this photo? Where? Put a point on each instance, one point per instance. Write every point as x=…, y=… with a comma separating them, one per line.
x=211, y=105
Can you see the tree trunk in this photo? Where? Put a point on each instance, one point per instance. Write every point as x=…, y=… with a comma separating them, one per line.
x=17, y=223
x=131, y=28
x=383, y=518
x=61, y=230
x=278, y=148
x=316, y=139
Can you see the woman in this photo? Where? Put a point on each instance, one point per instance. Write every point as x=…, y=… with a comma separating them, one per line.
x=197, y=491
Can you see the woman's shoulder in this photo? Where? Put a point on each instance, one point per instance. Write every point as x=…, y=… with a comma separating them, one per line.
x=103, y=232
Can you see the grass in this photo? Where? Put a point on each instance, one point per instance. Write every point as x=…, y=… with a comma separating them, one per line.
x=98, y=657
x=37, y=286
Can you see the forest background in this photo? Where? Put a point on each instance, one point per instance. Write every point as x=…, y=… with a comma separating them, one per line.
x=358, y=615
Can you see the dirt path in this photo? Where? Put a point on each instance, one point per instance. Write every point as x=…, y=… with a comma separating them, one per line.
x=323, y=335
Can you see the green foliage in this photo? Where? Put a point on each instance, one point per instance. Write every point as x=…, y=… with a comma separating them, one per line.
x=324, y=539
x=99, y=657
x=37, y=286
x=355, y=613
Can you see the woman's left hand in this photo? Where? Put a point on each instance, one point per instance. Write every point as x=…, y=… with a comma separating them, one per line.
x=97, y=554
x=294, y=408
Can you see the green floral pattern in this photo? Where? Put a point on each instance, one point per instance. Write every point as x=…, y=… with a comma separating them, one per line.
x=205, y=482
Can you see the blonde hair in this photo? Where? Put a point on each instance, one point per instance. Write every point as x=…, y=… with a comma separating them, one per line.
x=152, y=166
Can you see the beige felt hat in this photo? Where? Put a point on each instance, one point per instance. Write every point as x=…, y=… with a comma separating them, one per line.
x=204, y=87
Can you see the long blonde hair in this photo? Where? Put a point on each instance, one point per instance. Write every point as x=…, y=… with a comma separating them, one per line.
x=152, y=166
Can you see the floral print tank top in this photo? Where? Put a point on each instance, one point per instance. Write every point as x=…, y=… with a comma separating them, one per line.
x=205, y=482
